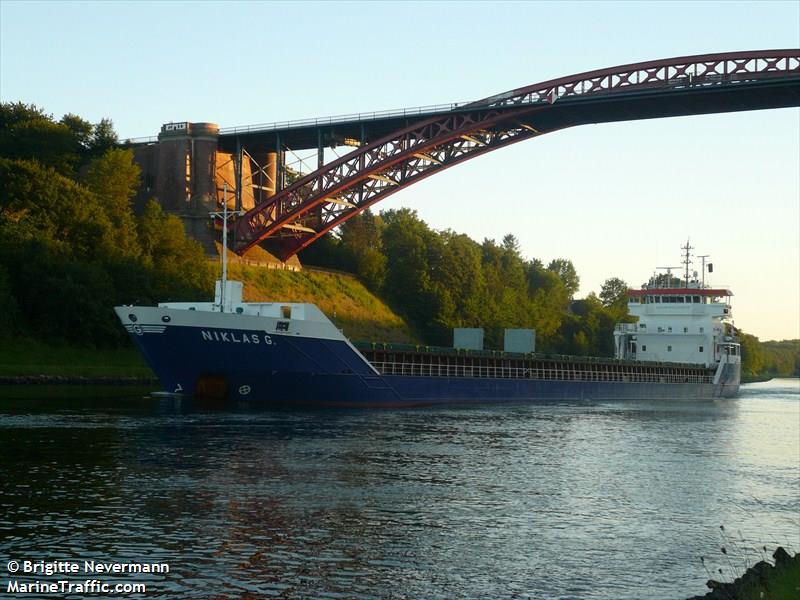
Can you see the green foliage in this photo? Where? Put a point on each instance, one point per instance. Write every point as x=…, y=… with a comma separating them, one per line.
x=752, y=355
x=360, y=240
x=80, y=128
x=26, y=356
x=114, y=179
x=408, y=285
x=166, y=248
x=664, y=280
x=550, y=300
x=71, y=250
x=38, y=203
x=769, y=359
x=614, y=296
x=8, y=306
x=103, y=137
x=49, y=143
x=589, y=329
x=28, y=133
x=567, y=274
x=782, y=358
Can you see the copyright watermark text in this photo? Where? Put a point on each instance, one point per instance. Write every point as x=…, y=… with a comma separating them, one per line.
x=77, y=577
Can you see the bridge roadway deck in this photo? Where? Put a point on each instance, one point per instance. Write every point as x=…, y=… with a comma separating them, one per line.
x=778, y=92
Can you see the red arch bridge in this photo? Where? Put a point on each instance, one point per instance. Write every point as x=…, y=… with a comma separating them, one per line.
x=304, y=211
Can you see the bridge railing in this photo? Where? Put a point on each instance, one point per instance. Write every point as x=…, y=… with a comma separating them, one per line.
x=365, y=116
x=415, y=111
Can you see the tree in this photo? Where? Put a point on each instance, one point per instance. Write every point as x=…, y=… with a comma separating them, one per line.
x=613, y=291
x=38, y=203
x=614, y=296
x=549, y=299
x=406, y=241
x=40, y=139
x=175, y=257
x=752, y=354
x=361, y=240
x=664, y=280
x=114, y=179
x=461, y=274
x=12, y=113
x=80, y=128
x=103, y=137
x=566, y=273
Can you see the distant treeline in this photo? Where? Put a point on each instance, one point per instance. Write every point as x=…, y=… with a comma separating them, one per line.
x=770, y=359
x=70, y=245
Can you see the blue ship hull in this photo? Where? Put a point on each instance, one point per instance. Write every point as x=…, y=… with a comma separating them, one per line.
x=251, y=365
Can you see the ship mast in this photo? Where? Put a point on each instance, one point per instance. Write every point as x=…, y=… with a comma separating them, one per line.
x=687, y=261
x=703, y=258
x=224, y=216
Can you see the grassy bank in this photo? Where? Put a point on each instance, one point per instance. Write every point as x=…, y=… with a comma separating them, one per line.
x=31, y=357
x=352, y=307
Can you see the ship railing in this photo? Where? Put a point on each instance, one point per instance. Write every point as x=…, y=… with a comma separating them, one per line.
x=626, y=327
x=565, y=373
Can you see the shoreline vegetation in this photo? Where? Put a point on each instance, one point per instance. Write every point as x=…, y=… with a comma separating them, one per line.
x=762, y=581
x=77, y=238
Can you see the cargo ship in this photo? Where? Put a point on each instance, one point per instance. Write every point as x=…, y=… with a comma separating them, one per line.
x=682, y=346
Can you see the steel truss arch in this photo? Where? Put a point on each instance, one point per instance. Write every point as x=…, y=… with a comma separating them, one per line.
x=306, y=210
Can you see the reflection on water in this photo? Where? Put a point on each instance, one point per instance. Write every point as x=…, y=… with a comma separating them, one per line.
x=581, y=500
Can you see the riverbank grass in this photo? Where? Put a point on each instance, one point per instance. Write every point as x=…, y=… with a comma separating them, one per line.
x=20, y=357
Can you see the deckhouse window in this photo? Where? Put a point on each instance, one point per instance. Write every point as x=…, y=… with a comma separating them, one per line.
x=685, y=330
x=701, y=348
x=644, y=348
x=286, y=312
x=669, y=329
x=669, y=348
x=702, y=329
x=642, y=326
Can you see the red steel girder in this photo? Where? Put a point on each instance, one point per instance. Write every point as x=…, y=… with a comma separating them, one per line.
x=320, y=201
x=350, y=184
x=674, y=73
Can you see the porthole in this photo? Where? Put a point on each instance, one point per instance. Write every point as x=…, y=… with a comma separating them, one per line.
x=166, y=319
x=132, y=317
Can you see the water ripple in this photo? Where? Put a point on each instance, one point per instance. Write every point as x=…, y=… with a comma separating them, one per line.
x=611, y=500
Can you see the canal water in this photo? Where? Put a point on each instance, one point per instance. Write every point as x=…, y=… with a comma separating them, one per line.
x=574, y=500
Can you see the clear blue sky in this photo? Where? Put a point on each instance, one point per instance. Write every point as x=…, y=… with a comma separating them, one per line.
x=617, y=199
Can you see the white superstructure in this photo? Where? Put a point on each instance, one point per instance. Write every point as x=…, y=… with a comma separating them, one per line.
x=683, y=325
x=686, y=322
